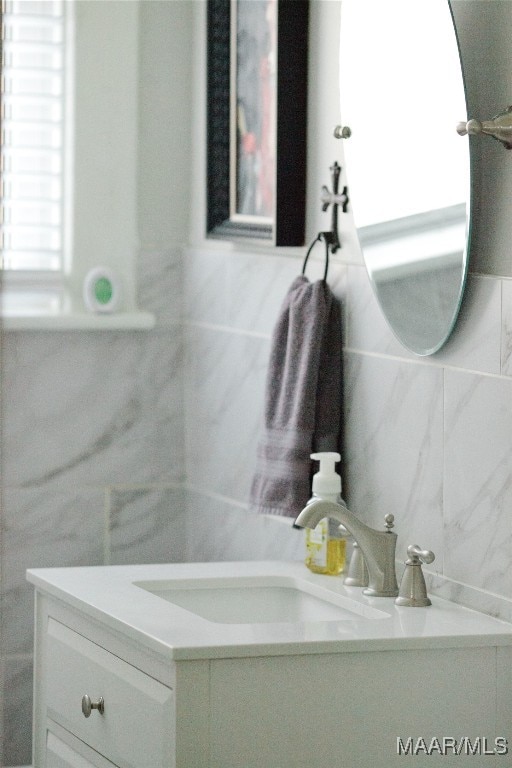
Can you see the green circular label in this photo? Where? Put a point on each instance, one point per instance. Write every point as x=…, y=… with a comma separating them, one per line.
x=103, y=290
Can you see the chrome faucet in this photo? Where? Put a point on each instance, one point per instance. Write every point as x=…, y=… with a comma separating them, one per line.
x=378, y=547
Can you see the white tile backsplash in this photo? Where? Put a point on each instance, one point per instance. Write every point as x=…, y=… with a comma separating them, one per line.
x=256, y=286
x=224, y=383
x=147, y=525
x=17, y=676
x=205, y=286
x=160, y=284
x=43, y=527
x=82, y=412
x=478, y=481
x=394, y=447
x=92, y=408
x=218, y=530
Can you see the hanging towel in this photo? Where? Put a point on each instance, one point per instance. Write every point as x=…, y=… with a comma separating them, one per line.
x=303, y=398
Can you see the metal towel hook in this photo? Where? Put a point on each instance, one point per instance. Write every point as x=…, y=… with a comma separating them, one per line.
x=327, y=238
x=335, y=199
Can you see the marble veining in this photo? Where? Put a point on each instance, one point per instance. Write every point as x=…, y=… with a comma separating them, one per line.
x=257, y=286
x=478, y=484
x=147, y=525
x=223, y=395
x=91, y=410
x=17, y=676
x=393, y=438
x=48, y=526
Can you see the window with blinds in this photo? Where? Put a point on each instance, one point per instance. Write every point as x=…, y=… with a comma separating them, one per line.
x=33, y=135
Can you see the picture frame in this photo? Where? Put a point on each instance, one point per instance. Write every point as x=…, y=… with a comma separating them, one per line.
x=257, y=60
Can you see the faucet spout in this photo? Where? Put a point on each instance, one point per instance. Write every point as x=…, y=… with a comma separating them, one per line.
x=378, y=547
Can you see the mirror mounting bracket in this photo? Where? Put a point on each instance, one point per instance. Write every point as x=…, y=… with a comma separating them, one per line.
x=335, y=199
x=499, y=127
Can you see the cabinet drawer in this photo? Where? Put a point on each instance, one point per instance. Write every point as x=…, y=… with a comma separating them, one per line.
x=61, y=754
x=136, y=729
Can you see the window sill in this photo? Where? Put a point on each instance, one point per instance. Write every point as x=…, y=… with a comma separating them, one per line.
x=78, y=322
x=51, y=309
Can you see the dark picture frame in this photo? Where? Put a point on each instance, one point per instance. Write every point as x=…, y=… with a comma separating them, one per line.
x=247, y=38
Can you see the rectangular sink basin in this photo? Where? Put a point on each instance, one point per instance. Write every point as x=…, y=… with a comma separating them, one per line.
x=259, y=600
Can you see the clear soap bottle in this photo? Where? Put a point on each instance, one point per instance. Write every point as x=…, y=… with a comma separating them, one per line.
x=326, y=544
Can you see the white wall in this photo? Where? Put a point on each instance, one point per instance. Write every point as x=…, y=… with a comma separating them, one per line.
x=105, y=137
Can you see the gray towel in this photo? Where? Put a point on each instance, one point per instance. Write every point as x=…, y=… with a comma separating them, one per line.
x=303, y=398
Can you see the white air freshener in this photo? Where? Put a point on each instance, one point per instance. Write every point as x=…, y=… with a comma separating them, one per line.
x=101, y=290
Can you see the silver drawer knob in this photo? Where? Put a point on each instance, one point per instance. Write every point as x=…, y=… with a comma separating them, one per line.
x=88, y=705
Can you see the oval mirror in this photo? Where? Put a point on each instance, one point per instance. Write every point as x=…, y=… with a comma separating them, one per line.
x=401, y=94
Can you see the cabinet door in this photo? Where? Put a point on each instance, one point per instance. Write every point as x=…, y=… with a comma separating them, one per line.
x=59, y=754
x=348, y=710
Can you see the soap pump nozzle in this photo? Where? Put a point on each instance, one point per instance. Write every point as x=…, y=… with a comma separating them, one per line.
x=326, y=482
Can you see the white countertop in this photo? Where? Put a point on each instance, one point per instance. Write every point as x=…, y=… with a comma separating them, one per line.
x=108, y=594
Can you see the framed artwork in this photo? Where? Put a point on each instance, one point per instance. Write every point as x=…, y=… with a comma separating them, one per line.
x=257, y=101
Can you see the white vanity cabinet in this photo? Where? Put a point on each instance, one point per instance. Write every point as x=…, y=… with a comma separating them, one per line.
x=76, y=659
x=260, y=704
x=137, y=727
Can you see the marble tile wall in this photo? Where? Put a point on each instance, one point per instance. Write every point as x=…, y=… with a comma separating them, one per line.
x=428, y=439
x=455, y=420
x=92, y=463
x=123, y=446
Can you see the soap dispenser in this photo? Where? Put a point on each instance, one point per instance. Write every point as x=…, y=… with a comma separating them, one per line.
x=326, y=544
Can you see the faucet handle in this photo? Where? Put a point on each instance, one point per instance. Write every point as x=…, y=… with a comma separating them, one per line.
x=413, y=590
x=389, y=521
x=417, y=556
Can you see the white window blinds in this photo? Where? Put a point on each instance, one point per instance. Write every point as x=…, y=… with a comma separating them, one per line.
x=33, y=134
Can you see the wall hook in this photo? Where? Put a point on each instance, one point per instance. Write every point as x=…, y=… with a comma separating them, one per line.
x=335, y=199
